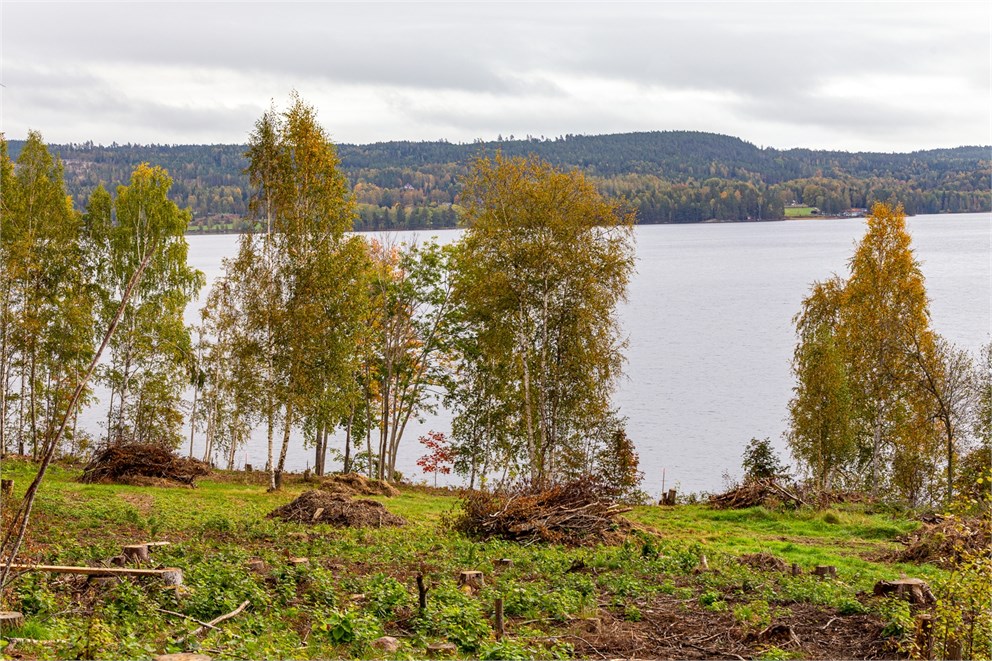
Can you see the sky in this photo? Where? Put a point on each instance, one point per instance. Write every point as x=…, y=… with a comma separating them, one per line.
x=825, y=75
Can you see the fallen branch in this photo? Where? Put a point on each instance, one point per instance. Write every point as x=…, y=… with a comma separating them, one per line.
x=212, y=624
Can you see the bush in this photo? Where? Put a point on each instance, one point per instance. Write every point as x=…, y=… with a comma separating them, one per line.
x=761, y=461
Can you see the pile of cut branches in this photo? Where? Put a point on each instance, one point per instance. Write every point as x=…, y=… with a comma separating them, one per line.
x=763, y=491
x=337, y=510
x=142, y=464
x=583, y=511
x=945, y=542
x=353, y=484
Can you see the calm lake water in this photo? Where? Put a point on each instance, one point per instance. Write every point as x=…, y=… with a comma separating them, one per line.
x=710, y=331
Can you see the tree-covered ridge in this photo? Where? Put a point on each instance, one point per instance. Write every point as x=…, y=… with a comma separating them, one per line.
x=668, y=176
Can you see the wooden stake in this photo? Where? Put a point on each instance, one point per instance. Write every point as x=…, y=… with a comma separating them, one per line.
x=422, y=592
x=500, y=632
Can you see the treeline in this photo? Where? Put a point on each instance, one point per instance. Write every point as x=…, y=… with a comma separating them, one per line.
x=667, y=177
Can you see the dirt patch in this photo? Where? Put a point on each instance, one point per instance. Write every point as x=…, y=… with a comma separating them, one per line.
x=674, y=629
x=764, y=562
x=337, y=510
x=142, y=502
x=945, y=542
x=574, y=513
x=353, y=484
x=142, y=465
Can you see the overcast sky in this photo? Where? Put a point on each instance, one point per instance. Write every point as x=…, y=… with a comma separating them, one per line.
x=852, y=76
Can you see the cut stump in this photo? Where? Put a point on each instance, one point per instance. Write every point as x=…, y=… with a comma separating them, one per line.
x=914, y=589
x=471, y=579
x=436, y=650
x=10, y=620
x=136, y=553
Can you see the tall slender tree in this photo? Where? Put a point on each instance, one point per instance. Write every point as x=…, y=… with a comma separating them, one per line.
x=302, y=197
x=544, y=264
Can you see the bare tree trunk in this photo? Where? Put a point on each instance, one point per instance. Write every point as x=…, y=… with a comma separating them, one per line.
x=270, y=466
x=287, y=427
x=34, y=408
x=192, y=417
x=347, y=441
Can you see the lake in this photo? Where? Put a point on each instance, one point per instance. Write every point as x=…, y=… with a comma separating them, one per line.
x=710, y=331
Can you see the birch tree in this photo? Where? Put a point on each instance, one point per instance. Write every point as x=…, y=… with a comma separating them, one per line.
x=545, y=262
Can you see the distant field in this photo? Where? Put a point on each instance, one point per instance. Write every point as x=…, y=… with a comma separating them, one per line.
x=798, y=212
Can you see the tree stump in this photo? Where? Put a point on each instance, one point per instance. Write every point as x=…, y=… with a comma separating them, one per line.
x=796, y=570
x=825, y=571
x=435, y=650
x=255, y=565
x=914, y=589
x=668, y=498
x=10, y=620
x=136, y=553
x=473, y=580
x=248, y=468
x=387, y=645
x=299, y=562
x=6, y=488
x=172, y=576
x=503, y=563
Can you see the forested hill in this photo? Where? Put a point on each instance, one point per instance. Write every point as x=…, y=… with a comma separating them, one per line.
x=669, y=176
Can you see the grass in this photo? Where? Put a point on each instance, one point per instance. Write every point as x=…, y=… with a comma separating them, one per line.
x=798, y=212
x=360, y=583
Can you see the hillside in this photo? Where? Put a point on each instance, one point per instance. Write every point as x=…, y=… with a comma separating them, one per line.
x=669, y=176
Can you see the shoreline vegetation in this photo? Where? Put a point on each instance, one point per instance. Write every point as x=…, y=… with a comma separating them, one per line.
x=550, y=549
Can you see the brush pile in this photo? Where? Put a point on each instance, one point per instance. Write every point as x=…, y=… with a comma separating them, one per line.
x=142, y=464
x=575, y=513
x=353, y=484
x=765, y=491
x=947, y=541
x=337, y=510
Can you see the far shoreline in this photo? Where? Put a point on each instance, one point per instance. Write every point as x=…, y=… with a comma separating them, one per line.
x=712, y=221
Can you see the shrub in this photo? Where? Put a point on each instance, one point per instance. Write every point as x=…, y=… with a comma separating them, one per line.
x=761, y=461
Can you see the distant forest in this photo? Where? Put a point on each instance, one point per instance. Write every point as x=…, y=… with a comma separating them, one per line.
x=669, y=177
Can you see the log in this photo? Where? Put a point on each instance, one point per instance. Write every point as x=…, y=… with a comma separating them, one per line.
x=825, y=571
x=6, y=488
x=317, y=512
x=136, y=553
x=169, y=575
x=154, y=546
x=10, y=620
x=914, y=589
